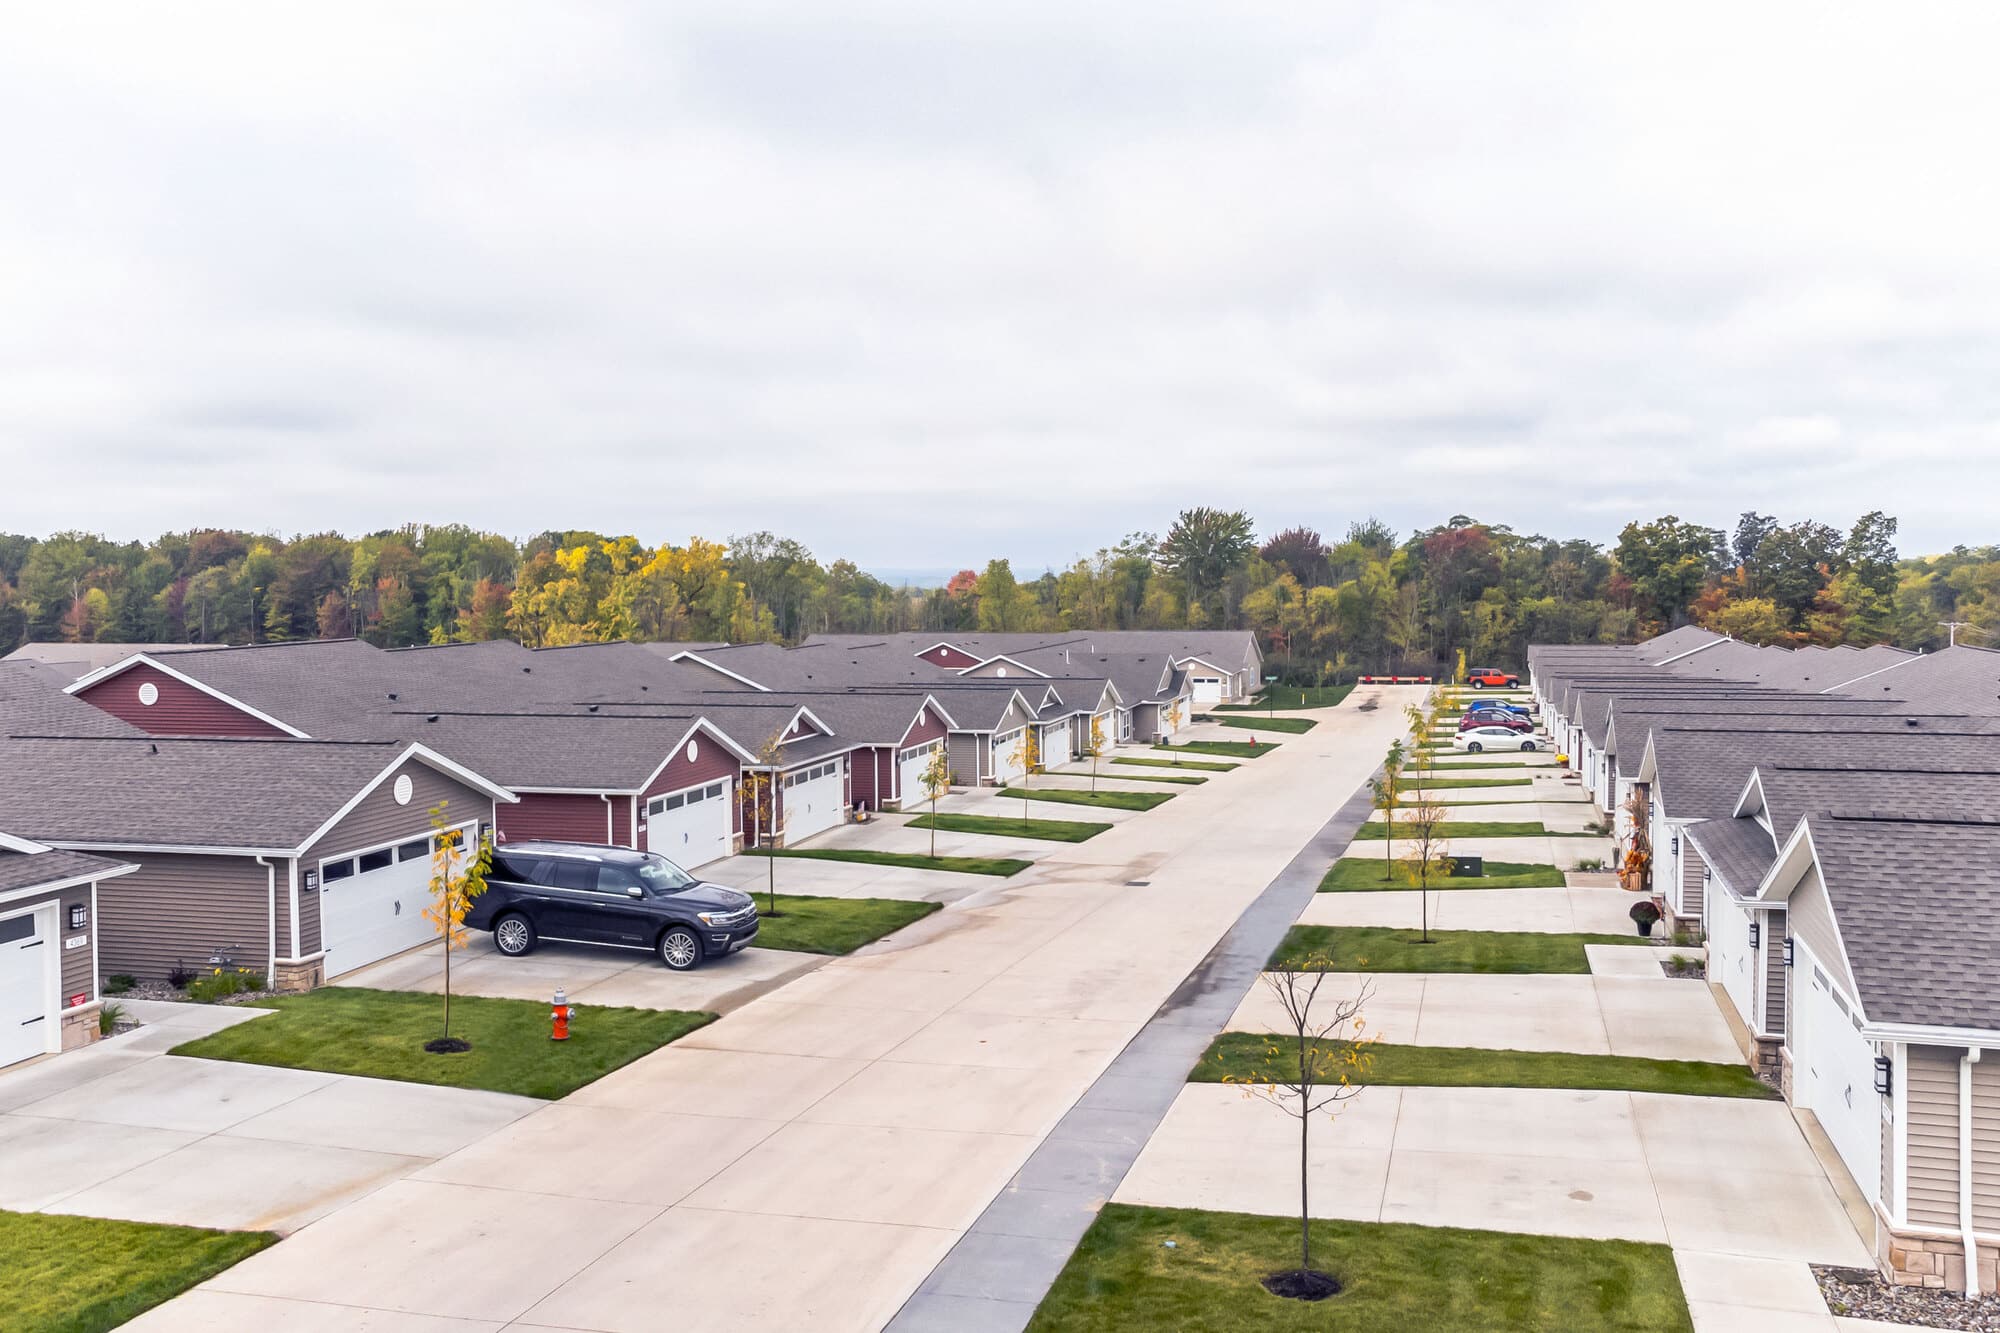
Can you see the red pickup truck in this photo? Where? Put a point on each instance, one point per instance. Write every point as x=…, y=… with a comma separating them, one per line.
x=1484, y=678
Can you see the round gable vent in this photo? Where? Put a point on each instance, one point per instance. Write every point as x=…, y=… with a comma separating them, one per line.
x=149, y=694
x=404, y=789
x=1000, y=671
x=694, y=751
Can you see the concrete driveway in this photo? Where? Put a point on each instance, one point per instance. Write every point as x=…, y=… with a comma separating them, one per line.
x=1557, y=815
x=807, y=1160
x=122, y=1130
x=1708, y=1174
x=1565, y=851
x=1589, y=910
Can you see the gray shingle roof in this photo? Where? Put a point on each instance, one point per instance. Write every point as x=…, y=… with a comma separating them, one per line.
x=1740, y=851
x=32, y=702
x=1918, y=904
x=1702, y=768
x=25, y=870
x=1960, y=679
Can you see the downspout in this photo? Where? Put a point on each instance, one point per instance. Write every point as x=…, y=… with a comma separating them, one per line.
x=1965, y=1065
x=270, y=918
x=610, y=819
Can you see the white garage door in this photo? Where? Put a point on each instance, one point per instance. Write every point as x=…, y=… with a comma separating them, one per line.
x=1005, y=767
x=692, y=827
x=371, y=905
x=1055, y=745
x=1730, y=957
x=812, y=801
x=910, y=766
x=1207, y=689
x=28, y=1024
x=1835, y=1070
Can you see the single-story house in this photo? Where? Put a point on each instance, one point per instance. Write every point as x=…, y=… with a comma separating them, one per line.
x=49, y=983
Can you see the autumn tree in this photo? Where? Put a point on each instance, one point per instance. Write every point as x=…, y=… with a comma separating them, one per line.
x=1026, y=756
x=1387, y=790
x=759, y=796
x=1317, y=1063
x=936, y=780
x=456, y=880
x=1095, y=744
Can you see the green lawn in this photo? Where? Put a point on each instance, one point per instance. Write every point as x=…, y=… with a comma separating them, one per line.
x=1246, y=1057
x=1045, y=830
x=965, y=865
x=1294, y=725
x=809, y=924
x=1169, y=763
x=1179, y=779
x=1291, y=696
x=1125, y=1275
x=1369, y=874
x=86, y=1274
x=381, y=1034
x=1228, y=749
x=1472, y=828
x=1103, y=800
x=1394, y=949
x=1439, y=784
x=1479, y=767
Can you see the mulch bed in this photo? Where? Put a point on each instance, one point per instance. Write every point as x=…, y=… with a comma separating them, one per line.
x=1693, y=970
x=1860, y=1293
x=160, y=990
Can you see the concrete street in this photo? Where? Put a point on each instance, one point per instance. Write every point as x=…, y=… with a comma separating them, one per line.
x=813, y=1154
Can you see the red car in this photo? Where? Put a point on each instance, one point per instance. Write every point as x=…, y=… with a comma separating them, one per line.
x=1492, y=678
x=1489, y=719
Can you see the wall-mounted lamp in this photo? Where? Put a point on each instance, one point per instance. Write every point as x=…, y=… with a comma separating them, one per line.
x=1788, y=951
x=1755, y=932
x=1884, y=1075
x=79, y=916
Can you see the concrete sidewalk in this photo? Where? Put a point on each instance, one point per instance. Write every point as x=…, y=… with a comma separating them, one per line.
x=810, y=1157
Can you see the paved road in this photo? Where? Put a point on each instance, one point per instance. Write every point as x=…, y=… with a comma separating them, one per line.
x=807, y=1160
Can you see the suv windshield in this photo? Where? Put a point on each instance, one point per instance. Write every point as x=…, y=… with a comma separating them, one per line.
x=660, y=875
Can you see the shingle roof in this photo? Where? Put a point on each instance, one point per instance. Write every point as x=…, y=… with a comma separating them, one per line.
x=1740, y=851
x=1675, y=643
x=25, y=870
x=32, y=702
x=1960, y=678
x=1701, y=768
x=1918, y=904
x=1916, y=787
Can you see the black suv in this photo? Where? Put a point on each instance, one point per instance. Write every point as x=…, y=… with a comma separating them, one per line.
x=587, y=894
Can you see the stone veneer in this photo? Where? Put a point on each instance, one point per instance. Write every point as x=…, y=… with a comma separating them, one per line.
x=1932, y=1261
x=79, y=1025
x=299, y=974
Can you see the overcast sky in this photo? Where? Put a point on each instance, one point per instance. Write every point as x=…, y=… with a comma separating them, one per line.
x=924, y=283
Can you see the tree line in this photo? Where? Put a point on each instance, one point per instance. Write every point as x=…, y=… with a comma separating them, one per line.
x=1368, y=599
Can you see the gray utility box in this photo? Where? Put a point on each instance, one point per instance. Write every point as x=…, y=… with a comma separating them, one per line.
x=1462, y=866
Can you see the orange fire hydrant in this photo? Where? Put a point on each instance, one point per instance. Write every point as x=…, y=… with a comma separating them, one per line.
x=559, y=1015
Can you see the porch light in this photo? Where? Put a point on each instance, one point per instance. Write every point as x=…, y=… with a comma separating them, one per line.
x=1788, y=951
x=1755, y=932
x=79, y=914
x=1707, y=875
x=1884, y=1075
x=1675, y=844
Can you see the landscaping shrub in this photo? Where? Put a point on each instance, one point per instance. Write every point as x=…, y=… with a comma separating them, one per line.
x=220, y=985
x=119, y=982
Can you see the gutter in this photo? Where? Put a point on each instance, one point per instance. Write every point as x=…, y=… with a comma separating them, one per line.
x=1965, y=1064
x=271, y=918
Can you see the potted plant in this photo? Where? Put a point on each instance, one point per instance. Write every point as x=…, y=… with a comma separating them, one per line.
x=1644, y=913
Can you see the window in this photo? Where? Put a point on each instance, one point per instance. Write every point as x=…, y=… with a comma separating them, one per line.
x=572, y=875
x=417, y=850
x=17, y=928
x=518, y=869
x=379, y=860
x=616, y=880
x=675, y=802
x=334, y=870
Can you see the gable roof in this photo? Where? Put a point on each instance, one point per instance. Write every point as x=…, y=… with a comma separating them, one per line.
x=51, y=869
x=1740, y=851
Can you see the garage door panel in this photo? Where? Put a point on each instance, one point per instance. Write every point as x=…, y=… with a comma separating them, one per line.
x=910, y=774
x=1836, y=1067
x=813, y=805
x=690, y=828
x=372, y=904
x=1207, y=689
x=27, y=987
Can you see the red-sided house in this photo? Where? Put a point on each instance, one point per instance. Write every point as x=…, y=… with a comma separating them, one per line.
x=161, y=701
x=945, y=655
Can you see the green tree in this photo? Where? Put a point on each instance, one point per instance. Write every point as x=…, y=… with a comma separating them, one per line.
x=1203, y=549
x=1668, y=561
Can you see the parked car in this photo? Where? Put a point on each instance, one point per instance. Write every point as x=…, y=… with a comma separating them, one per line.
x=1496, y=738
x=586, y=894
x=1499, y=706
x=1473, y=720
x=1493, y=678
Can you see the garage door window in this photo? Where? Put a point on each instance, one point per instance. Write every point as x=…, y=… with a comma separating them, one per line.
x=919, y=751
x=17, y=928
x=414, y=851
x=334, y=870
x=378, y=860
x=810, y=774
x=680, y=799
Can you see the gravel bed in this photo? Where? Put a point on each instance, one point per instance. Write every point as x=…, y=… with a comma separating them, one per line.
x=1696, y=970
x=160, y=990
x=1860, y=1293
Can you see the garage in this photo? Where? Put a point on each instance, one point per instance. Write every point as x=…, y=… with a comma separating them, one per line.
x=1006, y=767
x=910, y=766
x=1731, y=960
x=28, y=1023
x=692, y=827
x=812, y=801
x=1207, y=689
x=1055, y=744
x=1834, y=1072
x=372, y=903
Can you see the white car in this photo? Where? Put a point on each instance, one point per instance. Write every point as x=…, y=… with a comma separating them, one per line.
x=1475, y=739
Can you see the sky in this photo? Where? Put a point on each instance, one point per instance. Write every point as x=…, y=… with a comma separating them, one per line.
x=922, y=284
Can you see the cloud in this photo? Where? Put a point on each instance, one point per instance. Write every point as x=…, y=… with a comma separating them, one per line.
x=921, y=285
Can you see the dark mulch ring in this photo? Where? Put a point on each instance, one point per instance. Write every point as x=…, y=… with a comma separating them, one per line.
x=1302, y=1284
x=447, y=1046
x=1860, y=1293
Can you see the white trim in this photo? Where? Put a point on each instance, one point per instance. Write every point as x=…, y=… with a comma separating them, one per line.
x=292, y=877
x=941, y=643
x=428, y=835
x=689, y=655
x=1002, y=657
x=271, y=909
x=163, y=849
x=1692, y=651
x=1870, y=675
x=10, y=843
x=58, y=885
x=700, y=724
x=423, y=754
x=96, y=970
x=123, y=665
x=1899, y=1138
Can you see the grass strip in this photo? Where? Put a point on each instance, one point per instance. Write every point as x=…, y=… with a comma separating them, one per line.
x=1259, y=1057
x=1439, y=784
x=1125, y=1274
x=806, y=923
x=1043, y=830
x=964, y=865
x=1395, y=949
x=1103, y=800
x=1291, y=696
x=1292, y=725
x=381, y=1034
x=88, y=1274
x=1367, y=874
x=1228, y=749
x=1376, y=831
x=1169, y=763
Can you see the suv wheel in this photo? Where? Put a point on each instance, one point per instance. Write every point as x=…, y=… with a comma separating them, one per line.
x=1473, y=747
x=514, y=935
x=680, y=949
x=1478, y=684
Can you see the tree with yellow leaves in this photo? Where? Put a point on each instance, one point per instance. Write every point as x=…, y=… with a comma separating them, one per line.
x=1027, y=756
x=1317, y=1062
x=456, y=879
x=1094, y=745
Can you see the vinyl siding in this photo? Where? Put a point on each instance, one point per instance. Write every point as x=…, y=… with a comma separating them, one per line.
x=1812, y=921
x=711, y=760
x=1931, y=1073
x=1986, y=1143
x=963, y=749
x=378, y=820
x=181, y=710
x=1692, y=887
x=928, y=727
x=946, y=656
x=76, y=978
x=1773, y=945
x=868, y=777
x=180, y=908
x=558, y=816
